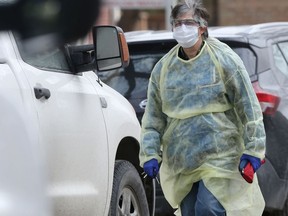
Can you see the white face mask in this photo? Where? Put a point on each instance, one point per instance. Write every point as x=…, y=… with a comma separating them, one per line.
x=186, y=36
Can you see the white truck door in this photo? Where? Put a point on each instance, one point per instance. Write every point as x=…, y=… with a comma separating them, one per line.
x=22, y=178
x=72, y=129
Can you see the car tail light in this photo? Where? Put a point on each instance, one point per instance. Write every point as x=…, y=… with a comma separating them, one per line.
x=269, y=102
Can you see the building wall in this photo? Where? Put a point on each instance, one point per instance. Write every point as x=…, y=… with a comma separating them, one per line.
x=223, y=12
x=239, y=12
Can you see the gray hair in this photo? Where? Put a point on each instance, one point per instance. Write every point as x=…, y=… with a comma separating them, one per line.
x=196, y=8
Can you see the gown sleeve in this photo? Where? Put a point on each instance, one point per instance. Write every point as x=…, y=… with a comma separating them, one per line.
x=242, y=95
x=153, y=121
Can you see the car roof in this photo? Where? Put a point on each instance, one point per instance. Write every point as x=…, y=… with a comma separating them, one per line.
x=148, y=35
x=256, y=34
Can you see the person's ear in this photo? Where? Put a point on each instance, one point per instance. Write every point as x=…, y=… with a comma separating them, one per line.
x=202, y=30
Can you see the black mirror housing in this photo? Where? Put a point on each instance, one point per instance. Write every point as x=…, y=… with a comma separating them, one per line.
x=108, y=51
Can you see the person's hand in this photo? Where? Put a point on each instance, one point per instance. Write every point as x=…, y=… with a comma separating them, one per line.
x=151, y=168
x=248, y=166
x=254, y=161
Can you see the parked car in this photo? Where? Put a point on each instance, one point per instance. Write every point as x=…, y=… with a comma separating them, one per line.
x=264, y=51
x=69, y=143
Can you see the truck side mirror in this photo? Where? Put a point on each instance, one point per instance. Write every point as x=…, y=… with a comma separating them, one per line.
x=111, y=49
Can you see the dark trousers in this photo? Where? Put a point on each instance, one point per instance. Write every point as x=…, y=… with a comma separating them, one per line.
x=201, y=202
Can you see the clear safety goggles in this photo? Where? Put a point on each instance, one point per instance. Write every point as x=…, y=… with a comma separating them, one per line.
x=187, y=22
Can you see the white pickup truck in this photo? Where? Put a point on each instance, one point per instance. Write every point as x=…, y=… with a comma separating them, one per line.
x=69, y=144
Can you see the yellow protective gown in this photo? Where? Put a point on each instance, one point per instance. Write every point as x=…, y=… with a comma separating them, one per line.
x=201, y=116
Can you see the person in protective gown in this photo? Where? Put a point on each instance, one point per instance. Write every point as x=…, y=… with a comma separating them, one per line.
x=201, y=121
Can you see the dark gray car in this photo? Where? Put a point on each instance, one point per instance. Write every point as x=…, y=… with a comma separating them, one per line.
x=264, y=51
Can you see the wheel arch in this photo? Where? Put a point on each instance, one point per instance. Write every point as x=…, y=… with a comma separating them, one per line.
x=128, y=150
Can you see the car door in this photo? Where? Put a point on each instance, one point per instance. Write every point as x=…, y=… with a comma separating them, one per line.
x=72, y=129
x=21, y=160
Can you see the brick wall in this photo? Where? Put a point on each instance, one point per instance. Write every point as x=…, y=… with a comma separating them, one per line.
x=238, y=12
x=223, y=12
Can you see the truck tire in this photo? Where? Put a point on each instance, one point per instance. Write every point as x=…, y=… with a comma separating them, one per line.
x=128, y=195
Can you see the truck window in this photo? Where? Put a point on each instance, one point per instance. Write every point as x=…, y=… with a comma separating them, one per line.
x=51, y=60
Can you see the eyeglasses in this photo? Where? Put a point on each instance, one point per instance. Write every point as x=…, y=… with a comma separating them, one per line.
x=187, y=22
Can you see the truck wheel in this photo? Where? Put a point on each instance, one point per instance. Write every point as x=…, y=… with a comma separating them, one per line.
x=128, y=195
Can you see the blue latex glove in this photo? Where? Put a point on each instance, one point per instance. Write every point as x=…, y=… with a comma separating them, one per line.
x=151, y=168
x=255, y=162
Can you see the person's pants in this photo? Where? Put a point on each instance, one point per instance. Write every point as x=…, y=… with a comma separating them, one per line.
x=201, y=202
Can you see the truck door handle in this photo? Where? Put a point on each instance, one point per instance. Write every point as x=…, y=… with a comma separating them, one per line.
x=42, y=92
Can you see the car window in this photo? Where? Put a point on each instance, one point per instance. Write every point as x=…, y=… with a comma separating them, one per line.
x=54, y=60
x=132, y=81
x=284, y=49
x=51, y=60
x=280, y=55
